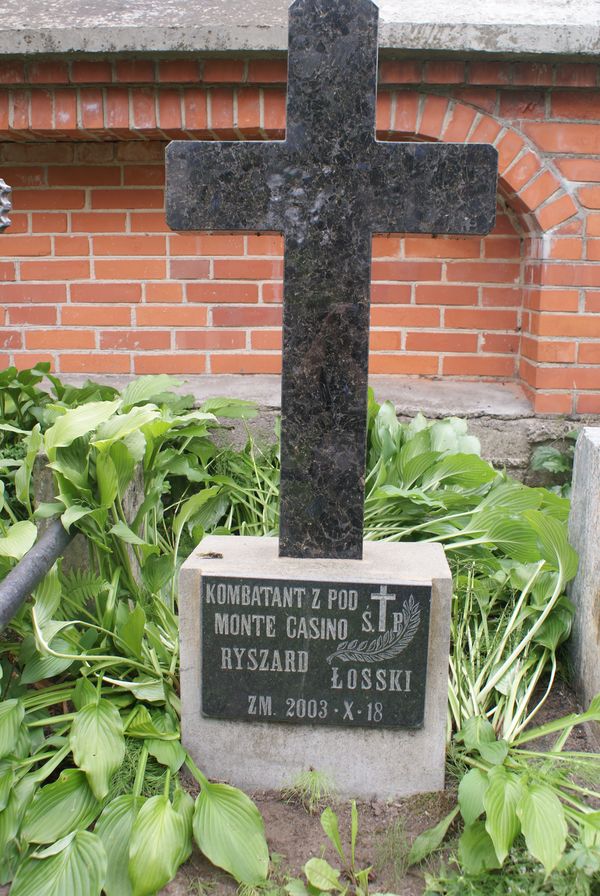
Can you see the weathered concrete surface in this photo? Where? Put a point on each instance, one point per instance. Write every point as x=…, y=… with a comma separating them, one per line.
x=498, y=27
x=362, y=762
x=584, y=534
x=498, y=414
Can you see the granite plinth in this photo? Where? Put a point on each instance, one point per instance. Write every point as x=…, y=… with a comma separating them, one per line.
x=328, y=187
x=584, y=535
x=276, y=681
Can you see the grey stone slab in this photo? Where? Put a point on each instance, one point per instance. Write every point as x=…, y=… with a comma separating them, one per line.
x=584, y=534
x=492, y=27
x=363, y=759
x=328, y=186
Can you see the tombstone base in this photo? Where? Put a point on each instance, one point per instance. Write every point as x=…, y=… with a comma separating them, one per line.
x=340, y=728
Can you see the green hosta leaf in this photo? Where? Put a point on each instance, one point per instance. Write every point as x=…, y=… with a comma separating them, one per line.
x=38, y=667
x=84, y=693
x=230, y=832
x=62, y=807
x=495, y=752
x=98, y=744
x=47, y=597
x=108, y=481
x=501, y=799
x=77, y=422
x=231, y=408
x=471, y=792
x=476, y=731
x=205, y=509
x=12, y=714
x=131, y=630
x=75, y=866
x=7, y=777
x=150, y=690
x=184, y=805
x=321, y=875
x=156, y=845
x=145, y=388
x=543, y=824
x=19, y=539
x=554, y=546
x=114, y=829
x=121, y=426
x=475, y=849
x=122, y=531
x=429, y=840
x=167, y=752
x=466, y=470
x=296, y=887
x=74, y=513
x=141, y=724
x=329, y=823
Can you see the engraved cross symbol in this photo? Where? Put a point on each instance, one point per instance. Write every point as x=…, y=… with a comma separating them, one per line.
x=328, y=187
x=383, y=597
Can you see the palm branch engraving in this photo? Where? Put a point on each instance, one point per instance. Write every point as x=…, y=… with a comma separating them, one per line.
x=387, y=645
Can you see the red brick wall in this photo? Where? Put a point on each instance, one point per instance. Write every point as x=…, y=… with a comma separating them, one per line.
x=92, y=279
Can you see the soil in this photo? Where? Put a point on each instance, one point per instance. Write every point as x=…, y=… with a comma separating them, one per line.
x=386, y=829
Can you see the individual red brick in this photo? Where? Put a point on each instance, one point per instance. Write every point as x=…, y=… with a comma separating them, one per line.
x=247, y=269
x=248, y=112
x=95, y=363
x=19, y=223
x=266, y=340
x=246, y=363
x=586, y=325
x=480, y=97
x=130, y=269
x=532, y=74
x=137, y=151
x=444, y=71
x=180, y=71
x=173, y=364
x=144, y=175
x=589, y=197
x=500, y=343
x=406, y=270
x=195, y=110
x=71, y=245
x=41, y=316
x=170, y=115
x=48, y=72
x=486, y=131
x=65, y=111
x=253, y=316
x=589, y=353
x=126, y=199
x=553, y=299
x=480, y=319
x=576, y=104
x=4, y=113
x=101, y=293
x=562, y=137
x=135, y=71
x=384, y=112
x=170, y=316
x=12, y=72
x=271, y=292
x=509, y=147
x=404, y=316
x=20, y=109
x=59, y=339
x=88, y=153
x=264, y=244
x=74, y=269
x=385, y=341
x=406, y=111
x=38, y=153
x=433, y=115
x=98, y=222
x=83, y=175
x=502, y=247
x=135, y=340
x=48, y=199
x=441, y=342
x=149, y=222
x=214, y=293
x=267, y=71
x=274, y=111
x=580, y=169
x=521, y=172
x=551, y=403
x=426, y=365
x=489, y=366
x=592, y=301
x=483, y=272
x=442, y=247
x=501, y=296
x=38, y=293
x=85, y=71
x=400, y=71
x=226, y=71
x=460, y=123
x=593, y=225
x=443, y=294
x=539, y=190
x=571, y=275
x=11, y=339
x=24, y=360
x=95, y=316
x=206, y=244
x=117, y=109
x=15, y=246
x=42, y=110
x=129, y=245
x=567, y=248
x=576, y=74
x=205, y=340
x=189, y=268
x=587, y=404
x=143, y=103
x=548, y=351
x=221, y=111
x=489, y=73
x=164, y=292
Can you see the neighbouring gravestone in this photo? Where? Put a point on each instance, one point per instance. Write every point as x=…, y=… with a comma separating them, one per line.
x=371, y=652
x=584, y=534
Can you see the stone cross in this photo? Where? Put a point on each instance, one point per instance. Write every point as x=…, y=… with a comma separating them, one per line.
x=328, y=187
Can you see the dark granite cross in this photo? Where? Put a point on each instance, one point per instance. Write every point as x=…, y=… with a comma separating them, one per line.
x=328, y=186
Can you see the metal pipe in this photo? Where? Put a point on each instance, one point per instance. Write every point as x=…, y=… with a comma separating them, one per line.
x=16, y=587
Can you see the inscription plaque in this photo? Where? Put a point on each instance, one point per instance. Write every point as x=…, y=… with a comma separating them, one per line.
x=326, y=653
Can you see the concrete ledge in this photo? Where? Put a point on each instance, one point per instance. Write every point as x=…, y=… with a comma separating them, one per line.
x=498, y=27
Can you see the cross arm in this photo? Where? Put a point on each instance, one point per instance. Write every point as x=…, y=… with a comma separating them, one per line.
x=434, y=188
x=224, y=186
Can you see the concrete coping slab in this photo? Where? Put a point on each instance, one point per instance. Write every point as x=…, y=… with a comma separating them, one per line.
x=490, y=27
